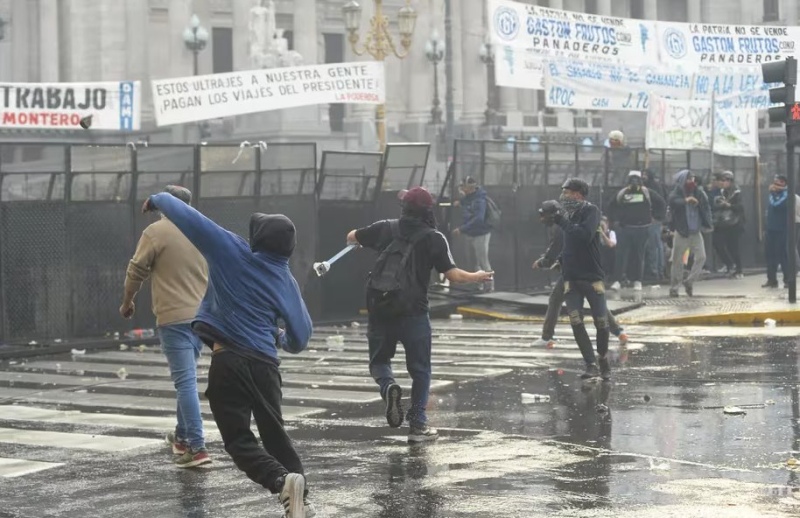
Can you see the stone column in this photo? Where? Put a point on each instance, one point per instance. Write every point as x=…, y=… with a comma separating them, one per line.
x=308, y=119
x=180, y=58
x=474, y=80
x=557, y=4
x=360, y=118
x=137, y=26
x=418, y=79
x=604, y=7
x=20, y=45
x=48, y=41
x=650, y=9
x=694, y=12
x=241, y=34
x=455, y=48
x=788, y=10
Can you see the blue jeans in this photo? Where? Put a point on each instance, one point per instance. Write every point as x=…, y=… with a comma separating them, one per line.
x=414, y=332
x=182, y=349
x=654, y=266
x=594, y=293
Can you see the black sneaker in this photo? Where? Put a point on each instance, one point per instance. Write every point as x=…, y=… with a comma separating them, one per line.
x=674, y=293
x=591, y=371
x=422, y=433
x=605, y=368
x=689, y=287
x=394, y=408
x=769, y=284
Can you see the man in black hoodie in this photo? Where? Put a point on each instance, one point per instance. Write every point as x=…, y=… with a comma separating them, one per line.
x=582, y=269
x=415, y=233
x=691, y=216
x=633, y=210
x=550, y=260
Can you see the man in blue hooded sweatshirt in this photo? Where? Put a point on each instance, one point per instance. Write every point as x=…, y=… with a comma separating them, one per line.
x=691, y=216
x=249, y=288
x=476, y=231
x=777, y=231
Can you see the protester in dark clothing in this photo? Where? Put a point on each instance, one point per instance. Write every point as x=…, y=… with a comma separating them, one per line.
x=582, y=270
x=416, y=228
x=633, y=210
x=476, y=231
x=550, y=260
x=691, y=216
x=654, y=263
x=776, y=242
x=250, y=287
x=728, y=213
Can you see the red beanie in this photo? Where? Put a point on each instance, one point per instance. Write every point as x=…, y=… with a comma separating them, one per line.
x=418, y=197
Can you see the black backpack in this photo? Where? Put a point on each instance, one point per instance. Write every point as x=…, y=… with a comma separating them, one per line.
x=493, y=213
x=392, y=290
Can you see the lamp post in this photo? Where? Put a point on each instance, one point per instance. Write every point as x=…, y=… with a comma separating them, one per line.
x=378, y=43
x=434, y=51
x=195, y=37
x=486, y=53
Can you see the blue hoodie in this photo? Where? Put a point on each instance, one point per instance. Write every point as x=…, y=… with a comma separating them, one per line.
x=473, y=210
x=249, y=286
x=777, y=220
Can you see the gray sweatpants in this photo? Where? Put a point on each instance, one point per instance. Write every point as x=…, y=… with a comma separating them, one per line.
x=554, y=310
x=697, y=247
x=478, y=254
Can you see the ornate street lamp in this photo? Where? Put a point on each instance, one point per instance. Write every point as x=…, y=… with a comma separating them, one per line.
x=434, y=51
x=378, y=42
x=195, y=37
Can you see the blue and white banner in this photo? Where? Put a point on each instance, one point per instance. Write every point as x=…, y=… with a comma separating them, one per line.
x=604, y=86
x=538, y=33
x=114, y=106
x=686, y=125
x=725, y=45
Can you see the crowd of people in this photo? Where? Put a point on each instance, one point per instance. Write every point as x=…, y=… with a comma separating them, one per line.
x=239, y=298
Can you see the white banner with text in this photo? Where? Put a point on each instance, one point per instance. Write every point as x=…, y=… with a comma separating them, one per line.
x=608, y=86
x=686, y=125
x=114, y=106
x=526, y=35
x=198, y=98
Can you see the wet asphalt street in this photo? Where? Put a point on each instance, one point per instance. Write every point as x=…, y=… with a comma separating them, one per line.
x=77, y=439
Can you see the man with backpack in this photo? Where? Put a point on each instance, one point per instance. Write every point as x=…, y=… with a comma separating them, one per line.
x=479, y=216
x=397, y=301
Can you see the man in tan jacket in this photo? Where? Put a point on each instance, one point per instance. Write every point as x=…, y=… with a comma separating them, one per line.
x=179, y=278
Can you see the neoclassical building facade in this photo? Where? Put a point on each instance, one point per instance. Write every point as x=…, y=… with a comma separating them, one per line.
x=90, y=40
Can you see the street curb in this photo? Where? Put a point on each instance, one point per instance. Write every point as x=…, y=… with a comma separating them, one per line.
x=749, y=319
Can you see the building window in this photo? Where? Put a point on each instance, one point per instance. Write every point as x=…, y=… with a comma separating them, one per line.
x=637, y=9
x=591, y=7
x=334, y=53
x=772, y=11
x=289, y=35
x=222, y=49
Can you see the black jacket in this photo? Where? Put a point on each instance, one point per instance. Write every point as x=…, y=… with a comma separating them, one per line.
x=580, y=256
x=727, y=217
x=551, y=255
x=631, y=210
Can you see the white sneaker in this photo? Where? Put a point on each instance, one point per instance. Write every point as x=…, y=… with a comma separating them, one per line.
x=637, y=286
x=616, y=286
x=541, y=342
x=291, y=496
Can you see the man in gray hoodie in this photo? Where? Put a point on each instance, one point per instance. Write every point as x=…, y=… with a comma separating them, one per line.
x=691, y=216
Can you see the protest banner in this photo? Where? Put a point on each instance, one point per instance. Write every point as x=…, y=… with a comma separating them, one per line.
x=113, y=105
x=725, y=45
x=686, y=125
x=197, y=98
x=537, y=33
x=608, y=86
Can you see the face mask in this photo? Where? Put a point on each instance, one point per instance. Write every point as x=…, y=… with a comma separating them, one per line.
x=571, y=205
